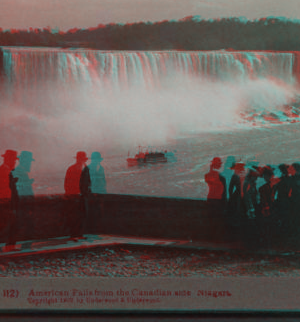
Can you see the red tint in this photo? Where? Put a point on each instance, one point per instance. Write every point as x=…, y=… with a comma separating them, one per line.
x=4, y=181
x=10, y=158
x=72, y=179
x=215, y=185
x=73, y=30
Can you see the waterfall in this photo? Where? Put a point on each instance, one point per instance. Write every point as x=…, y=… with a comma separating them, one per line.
x=55, y=102
x=30, y=66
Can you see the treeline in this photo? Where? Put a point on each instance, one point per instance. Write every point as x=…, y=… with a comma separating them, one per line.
x=186, y=34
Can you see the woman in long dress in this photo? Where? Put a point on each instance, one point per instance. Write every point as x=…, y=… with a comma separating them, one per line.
x=235, y=202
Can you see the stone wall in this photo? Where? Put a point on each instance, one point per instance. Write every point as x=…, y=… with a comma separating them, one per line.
x=52, y=216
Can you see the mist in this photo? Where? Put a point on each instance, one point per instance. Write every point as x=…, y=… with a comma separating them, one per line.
x=55, y=120
x=55, y=102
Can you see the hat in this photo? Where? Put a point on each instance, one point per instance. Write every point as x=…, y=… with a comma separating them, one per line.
x=81, y=156
x=252, y=168
x=96, y=156
x=238, y=166
x=284, y=168
x=10, y=154
x=26, y=156
x=267, y=170
x=216, y=162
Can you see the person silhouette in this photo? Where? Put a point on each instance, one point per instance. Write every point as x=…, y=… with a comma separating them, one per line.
x=74, y=186
x=97, y=174
x=21, y=188
x=92, y=181
x=235, y=202
x=216, y=198
x=216, y=182
x=250, y=191
x=21, y=173
x=294, y=218
x=282, y=194
x=250, y=229
x=266, y=194
x=9, y=163
x=295, y=184
x=228, y=172
x=73, y=174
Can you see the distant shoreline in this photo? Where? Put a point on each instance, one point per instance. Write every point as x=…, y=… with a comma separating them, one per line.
x=189, y=33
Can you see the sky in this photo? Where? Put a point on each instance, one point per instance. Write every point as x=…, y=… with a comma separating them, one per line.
x=67, y=14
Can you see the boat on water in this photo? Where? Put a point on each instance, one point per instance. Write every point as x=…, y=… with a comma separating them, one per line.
x=144, y=156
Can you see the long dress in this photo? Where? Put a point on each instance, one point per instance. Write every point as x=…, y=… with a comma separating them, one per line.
x=235, y=203
x=98, y=189
x=282, y=205
x=22, y=199
x=216, y=202
x=251, y=225
x=266, y=213
x=250, y=196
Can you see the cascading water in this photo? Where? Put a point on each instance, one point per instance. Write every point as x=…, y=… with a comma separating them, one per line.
x=23, y=66
x=55, y=102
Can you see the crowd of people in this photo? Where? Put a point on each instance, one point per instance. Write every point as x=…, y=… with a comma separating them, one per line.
x=248, y=191
x=253, y=192
x=15, y=184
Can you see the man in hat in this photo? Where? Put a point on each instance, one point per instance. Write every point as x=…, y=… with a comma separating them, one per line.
x=216, y=182
x=72, y=178
x=21, y=186
x=21, y=173
x=216, y=198
x=249, y=189
x=10, y=158
x=236, y=193
x=250, y=227
x=97, y=175
x=73, y=186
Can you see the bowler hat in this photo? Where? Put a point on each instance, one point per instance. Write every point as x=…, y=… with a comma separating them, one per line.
x=267, y=171
x=216, y=162
x=96, y=156
x=283, y=168
x=238, y=166
x=26, y=155
x=81, y=156
x=10, y=154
